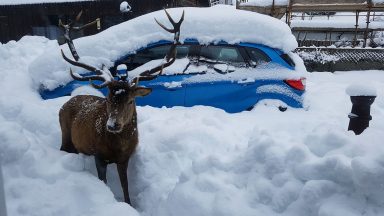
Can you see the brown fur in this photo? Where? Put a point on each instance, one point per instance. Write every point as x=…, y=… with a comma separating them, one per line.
x=83, y=121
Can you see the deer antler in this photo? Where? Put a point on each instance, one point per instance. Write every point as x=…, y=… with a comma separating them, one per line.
x=102, y=74
x=171, y=55
x=69, y=27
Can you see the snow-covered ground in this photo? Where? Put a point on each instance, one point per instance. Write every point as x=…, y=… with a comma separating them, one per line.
x=199, y=160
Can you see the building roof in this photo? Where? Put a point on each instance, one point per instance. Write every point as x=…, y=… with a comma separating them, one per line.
x=25, y=2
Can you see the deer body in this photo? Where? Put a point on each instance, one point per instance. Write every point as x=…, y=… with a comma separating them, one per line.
x=87, y=128
x=83, y=119
x=107, y=127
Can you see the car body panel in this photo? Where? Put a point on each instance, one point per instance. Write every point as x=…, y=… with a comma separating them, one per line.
x=229, y=95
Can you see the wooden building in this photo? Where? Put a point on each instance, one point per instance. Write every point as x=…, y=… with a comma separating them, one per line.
x=42, y=16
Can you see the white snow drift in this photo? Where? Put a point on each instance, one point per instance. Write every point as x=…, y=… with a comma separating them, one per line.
x=193, y=161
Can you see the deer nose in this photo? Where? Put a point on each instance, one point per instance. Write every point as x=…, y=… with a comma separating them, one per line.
x=112, y=125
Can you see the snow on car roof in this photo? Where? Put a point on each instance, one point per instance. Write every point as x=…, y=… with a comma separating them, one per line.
x=207, y=25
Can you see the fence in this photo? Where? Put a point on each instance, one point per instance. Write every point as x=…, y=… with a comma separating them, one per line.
x=341, y=59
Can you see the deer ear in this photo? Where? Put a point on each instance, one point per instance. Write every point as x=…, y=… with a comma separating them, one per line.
x=142, y=91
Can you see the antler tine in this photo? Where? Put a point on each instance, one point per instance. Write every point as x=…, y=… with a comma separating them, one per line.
x=78, y=16
x=171, y=55
x=85, y=78
x=135, y=82
x=165, y=28
x=176, y=26
x=102, y=75
x=104, y=84
x=61, y=24
x=82, y=65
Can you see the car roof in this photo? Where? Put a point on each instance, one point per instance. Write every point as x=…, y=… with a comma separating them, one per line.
x=207, y=25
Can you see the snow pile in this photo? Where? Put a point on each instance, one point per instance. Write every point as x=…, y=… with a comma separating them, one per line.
x=318, y=56
x=207, y=25
x=39, y=179
x=358, y=89
x=199, y=160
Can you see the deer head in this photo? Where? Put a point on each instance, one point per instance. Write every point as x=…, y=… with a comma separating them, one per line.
x=120, y=101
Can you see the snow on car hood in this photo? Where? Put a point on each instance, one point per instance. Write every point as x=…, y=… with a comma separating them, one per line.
x=207, y=25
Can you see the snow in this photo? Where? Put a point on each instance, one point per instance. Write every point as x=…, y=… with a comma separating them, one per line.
x=21, y=2
x=236, y=74
x=207, y=25
x=358, y=89
x=337, y=22
x=195, y=161
x=125, y=7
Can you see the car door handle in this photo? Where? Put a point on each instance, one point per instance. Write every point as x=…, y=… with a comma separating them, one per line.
x=246, y=82
x=173, y=86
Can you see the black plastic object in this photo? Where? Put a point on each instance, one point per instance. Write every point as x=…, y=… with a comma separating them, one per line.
x=361, y=113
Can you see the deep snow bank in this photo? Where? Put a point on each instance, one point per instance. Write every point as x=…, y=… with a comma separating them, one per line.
x=39, y=179
x=200, y=160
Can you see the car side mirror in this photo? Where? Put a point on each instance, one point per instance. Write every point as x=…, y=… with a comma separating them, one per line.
x=223, y=68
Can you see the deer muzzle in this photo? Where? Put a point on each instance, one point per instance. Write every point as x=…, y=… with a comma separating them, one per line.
x=113, y=126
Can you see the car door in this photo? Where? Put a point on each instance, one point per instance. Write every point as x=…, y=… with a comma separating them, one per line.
x=225, y=84
x=167, y=89
x=215, y=87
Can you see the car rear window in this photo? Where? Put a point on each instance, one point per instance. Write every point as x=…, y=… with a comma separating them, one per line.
x=288, y=59
x=257, y=56
x=221, y=54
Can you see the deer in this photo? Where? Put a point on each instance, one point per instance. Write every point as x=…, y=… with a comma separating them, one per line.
x=107, y=127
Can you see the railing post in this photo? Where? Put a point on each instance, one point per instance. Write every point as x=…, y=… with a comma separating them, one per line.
x=356, y=26
x=367, y=26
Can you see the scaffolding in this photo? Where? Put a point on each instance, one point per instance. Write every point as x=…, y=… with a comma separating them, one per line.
x=311, y=6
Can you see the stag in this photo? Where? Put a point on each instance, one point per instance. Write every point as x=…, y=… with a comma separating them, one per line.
x=107, y=127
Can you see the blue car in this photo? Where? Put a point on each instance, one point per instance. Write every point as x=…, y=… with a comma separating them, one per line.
x=232, y=77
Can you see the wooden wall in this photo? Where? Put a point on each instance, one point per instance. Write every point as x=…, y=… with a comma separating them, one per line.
x=19, y=20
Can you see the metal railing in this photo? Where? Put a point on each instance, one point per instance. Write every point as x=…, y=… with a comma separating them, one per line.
x=341, y=59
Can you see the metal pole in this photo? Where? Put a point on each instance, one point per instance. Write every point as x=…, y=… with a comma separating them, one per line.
x=356, y=26
x=367, y=26
x=3, y=209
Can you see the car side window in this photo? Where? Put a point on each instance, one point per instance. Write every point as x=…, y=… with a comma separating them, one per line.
x=257, y=56
x=149, y=54
x=216, y=54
